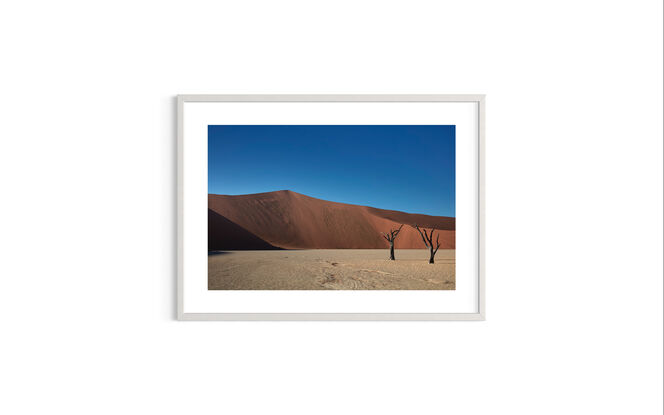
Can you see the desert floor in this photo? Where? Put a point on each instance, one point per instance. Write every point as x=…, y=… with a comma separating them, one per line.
x=331, y=269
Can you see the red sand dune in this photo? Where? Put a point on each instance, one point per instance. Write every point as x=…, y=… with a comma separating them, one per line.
x=226, y=235
x=291, y=220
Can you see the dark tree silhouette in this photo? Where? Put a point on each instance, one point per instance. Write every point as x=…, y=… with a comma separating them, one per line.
x=428, y=241
x=390, y=238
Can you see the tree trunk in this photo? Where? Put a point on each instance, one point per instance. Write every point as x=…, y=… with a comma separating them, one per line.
x=392, y=250
x=432, y=254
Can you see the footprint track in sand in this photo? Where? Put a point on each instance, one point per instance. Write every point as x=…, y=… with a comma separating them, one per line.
x=334, y=282
x=375, y=270
x=329, y=279
x=355, y=284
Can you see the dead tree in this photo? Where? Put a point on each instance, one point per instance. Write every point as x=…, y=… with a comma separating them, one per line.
x=428, y=241
x=390, y=237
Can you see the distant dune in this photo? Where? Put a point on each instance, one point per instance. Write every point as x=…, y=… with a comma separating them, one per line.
x=285, y=219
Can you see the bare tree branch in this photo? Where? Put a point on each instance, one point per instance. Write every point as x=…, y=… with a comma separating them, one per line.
x=427, y=238
x=420, y=232
x=390, y=238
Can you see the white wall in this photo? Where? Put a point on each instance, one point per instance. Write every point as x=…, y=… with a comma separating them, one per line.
x=574, y=237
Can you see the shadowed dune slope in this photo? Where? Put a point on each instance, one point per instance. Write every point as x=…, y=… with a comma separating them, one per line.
x=287, y=219
x=226, y=235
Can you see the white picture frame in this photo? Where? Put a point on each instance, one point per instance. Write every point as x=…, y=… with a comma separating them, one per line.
x=183, y=313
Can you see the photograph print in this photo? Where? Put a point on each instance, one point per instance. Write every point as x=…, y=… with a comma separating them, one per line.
x=331, y=207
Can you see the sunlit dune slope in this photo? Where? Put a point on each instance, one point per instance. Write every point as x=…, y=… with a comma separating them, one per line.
x=286, y=219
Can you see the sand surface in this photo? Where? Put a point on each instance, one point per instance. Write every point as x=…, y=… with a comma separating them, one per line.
x=286, y=219
x=331, y=269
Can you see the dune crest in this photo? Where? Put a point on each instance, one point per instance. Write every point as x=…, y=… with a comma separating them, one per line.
x=286, y=219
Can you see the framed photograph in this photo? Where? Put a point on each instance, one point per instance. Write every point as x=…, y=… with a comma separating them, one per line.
x=331, y=207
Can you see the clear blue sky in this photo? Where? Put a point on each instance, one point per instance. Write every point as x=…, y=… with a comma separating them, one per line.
x=410, y=168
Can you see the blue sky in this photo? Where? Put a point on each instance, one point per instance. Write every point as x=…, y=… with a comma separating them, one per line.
x=410, y=168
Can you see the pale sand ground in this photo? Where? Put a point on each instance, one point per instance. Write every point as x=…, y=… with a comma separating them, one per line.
x=331, y=269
